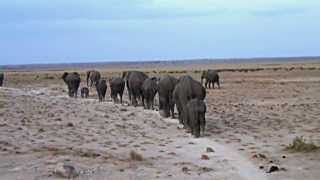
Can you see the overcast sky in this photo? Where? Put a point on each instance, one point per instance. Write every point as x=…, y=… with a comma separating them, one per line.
x=55, y=31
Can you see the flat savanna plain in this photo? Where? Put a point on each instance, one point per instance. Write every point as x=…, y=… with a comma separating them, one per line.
x=259, y=110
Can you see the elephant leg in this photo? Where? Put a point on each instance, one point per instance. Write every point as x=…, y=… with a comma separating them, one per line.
x=134, y=100
x=202, y=130
x=170, y=105
x=172, y=111
x=121, y=98
x=76, y=92
x=129, y=94
x=152, y=105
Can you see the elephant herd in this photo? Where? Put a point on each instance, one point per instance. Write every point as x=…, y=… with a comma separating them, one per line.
x=185, y=93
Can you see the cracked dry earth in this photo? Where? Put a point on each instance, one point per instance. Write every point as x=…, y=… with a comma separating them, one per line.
x=249, y=122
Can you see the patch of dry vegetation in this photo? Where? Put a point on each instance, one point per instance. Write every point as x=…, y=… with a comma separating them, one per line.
x=299, y=144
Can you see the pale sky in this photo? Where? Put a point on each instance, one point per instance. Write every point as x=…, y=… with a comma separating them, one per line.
x=64, y=31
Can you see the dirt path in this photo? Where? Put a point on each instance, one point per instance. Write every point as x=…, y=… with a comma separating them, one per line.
x=42, y=127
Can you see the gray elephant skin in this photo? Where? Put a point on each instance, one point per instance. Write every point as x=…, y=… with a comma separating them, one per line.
x=84, y=92
x=211, y=77
x=101, y=87
x=166, y=86
x=149, y=90
x=196, y=110
x=93, y=77
x=1, y=79
x=73, y=81
x=117, y=85
x=134, y=81
x=187, y=89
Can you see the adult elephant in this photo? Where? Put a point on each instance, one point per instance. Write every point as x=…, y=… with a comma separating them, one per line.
x=211, y=77
x=134, y=81
x=187, y=89
x=73, y=81
x=1, y=78
x=166, y=86
x=101, y=87
x=117, y=85
x=149, y=90
x=93, y=77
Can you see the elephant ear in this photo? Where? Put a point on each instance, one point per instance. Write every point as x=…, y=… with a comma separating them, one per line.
x=65, y=74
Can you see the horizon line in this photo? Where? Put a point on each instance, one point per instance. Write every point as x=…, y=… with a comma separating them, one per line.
x=165, y=60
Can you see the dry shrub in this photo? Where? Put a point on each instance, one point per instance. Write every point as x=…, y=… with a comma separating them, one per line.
x=135, y=156
x=299, y=144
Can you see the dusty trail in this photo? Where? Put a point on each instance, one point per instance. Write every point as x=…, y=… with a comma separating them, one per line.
x=43, y=127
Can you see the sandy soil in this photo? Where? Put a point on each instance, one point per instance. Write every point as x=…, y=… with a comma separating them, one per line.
x=250, y=121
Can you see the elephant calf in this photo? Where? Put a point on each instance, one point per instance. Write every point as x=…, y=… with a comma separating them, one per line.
x=84, y=92
x=196, y=110
x=117, y=87
x=149, y=90
x=101, y=87
x=1, y=79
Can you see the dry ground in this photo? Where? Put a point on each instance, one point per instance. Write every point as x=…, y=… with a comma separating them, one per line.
x=250, y=121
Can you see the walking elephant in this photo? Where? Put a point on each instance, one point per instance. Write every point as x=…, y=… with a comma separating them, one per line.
x=73, y=81
x=196, y=110
x=149, y=90
x=186, y=89
x=211, y=77
x=134, y=81
x=101, y=87
x=117, y=85
x=84, y=92
x=93, y=77
x=166, y=86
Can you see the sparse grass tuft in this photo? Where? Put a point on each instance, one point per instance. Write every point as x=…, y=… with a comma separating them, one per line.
x=135, y=156
x=299, y=144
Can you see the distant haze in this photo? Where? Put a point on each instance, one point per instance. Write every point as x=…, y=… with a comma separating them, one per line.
x=60, y=31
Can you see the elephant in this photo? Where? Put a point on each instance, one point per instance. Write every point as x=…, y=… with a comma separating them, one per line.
x=186, y=89
x=101, y=87
x=84, y=92
x=134, y=81
x=196, y=110
x=73, y=81
x=211, y=76
x=117, y=85
x=166, y=86
x=1, y=78
x=93, y=76
x=149, y=90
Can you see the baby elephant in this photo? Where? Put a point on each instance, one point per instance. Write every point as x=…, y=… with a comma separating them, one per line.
x=196, y=110
x=84, y=92
x=101, y=87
